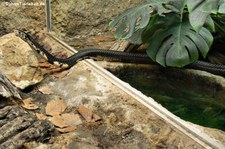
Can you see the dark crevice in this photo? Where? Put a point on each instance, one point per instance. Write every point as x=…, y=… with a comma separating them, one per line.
x=29, y=89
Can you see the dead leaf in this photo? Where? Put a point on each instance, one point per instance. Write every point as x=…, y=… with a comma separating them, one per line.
x=41, y=116
x=55, y=107
x=59, y=122
x=67, y=129
x=96, y=118
x=85, y=112
x=53, y=67
x=71, y=119
x=61, y=75
x=66, y=122
x=45, y=90
x=44, y=64
x=27, y=104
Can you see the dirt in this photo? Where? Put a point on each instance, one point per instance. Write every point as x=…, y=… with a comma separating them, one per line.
x=73, y=21
x=12, y=16
x=84, y=18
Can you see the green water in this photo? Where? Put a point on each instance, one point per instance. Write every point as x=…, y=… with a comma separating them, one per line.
x=186, y=98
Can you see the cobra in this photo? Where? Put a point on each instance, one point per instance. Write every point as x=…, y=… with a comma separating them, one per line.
x=117, y=55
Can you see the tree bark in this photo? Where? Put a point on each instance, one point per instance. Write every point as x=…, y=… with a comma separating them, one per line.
x=7, y=89
x=18, y=126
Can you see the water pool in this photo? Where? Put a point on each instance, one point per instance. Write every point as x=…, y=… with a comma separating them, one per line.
x=192, y=98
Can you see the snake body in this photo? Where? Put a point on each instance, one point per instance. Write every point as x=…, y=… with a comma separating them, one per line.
x=122, y=56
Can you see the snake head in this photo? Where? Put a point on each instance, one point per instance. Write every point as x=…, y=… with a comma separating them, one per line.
x=20, y=34
x=17, y=32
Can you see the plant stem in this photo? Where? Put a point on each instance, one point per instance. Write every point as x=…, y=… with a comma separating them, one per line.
x=182, y=10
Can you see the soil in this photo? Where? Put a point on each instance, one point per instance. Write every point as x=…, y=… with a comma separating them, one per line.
x=12, y=16
x=71, y=20
x=86, y=18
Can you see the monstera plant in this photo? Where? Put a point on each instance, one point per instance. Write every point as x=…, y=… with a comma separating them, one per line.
x=177, y=32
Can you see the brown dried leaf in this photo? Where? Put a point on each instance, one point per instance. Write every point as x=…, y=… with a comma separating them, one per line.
x=66, y=122
x=55, y=107
x=53, y=67
x=41, y=116
x=61, y=75
x=67, y=129
x=85, y=112
x=72, y=119
x=59, y=122
x=96, y=118
x=27, y=104
x=44, y=64
x=51, y=70
x=45, y=90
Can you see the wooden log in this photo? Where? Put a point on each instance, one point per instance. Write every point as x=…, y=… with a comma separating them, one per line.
x=19, y=126
x=7, y=89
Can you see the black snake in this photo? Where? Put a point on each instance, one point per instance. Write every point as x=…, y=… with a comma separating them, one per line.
x=122, y=56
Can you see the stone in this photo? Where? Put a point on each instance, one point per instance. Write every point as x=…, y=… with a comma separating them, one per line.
x=77, y=19
x=31, y=18
x=18, y=61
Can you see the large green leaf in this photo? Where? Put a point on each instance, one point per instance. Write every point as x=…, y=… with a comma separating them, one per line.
x=219, y=21
x=197, y=15
x=214, y=6
x=222, y=6
x=176, y=5
x=210, y=24
x=177, y=44
x=211, y=6
x=200, y=10
x=132, y=22
x=136, y=37
x=158, y=5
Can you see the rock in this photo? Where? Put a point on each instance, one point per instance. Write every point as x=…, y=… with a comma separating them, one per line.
x=18, y=61
x=77, y=19
x=22, y=17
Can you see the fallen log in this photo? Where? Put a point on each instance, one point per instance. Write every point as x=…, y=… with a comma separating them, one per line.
x=17, y=126
x=7, y=89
